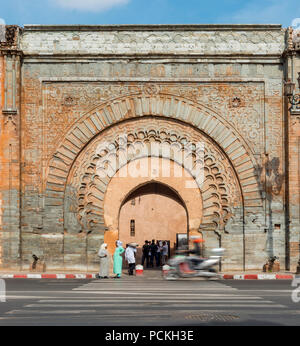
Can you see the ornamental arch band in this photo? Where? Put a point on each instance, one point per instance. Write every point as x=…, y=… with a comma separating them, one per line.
x=71, y=95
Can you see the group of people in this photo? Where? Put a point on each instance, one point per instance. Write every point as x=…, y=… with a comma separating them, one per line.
x=155, y=250
x=105, y=259
x=150, y=251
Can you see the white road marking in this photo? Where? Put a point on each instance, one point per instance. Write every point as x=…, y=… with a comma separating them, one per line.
x=233, y=298
x=120, y=299
x=176, y=304
x=47, y=312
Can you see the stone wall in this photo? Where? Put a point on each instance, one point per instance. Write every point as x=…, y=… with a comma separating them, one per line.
x=294, y=164
x=1, y=162
x=187, y=40
x=224, y=81
x=10, y=61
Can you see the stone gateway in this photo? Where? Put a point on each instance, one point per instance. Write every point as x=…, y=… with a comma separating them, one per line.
x=148, y=132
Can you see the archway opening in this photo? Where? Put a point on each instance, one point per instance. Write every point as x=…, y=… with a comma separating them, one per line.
x=153, y=211
x=177, y=186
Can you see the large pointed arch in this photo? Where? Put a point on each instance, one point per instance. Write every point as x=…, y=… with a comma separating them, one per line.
x=86, y=188
x=111, y=113
x=117, y=113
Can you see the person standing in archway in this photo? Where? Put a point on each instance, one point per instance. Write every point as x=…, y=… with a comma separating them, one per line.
x=130, y=257
x=165, y=251
x=158, y=253
x=145, y=255
x=118, y=259
x=153, y=250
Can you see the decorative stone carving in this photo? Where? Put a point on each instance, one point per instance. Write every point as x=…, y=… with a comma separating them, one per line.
x=295, y=124
x=235, y=102
x=11, y=34
x=151, y=89
x=69, y=101
x=220, y=191
x=10, y=117
x=247, y=118
x=168, y=106
x=159, y=40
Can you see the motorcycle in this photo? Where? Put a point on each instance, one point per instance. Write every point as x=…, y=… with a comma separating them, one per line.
x=183, y=266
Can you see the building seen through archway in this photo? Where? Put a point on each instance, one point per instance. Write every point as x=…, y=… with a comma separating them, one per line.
x=152, y=211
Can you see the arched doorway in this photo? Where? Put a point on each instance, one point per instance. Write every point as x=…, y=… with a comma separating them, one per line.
x=104, y=174
x=123, y=187
x=152, y=211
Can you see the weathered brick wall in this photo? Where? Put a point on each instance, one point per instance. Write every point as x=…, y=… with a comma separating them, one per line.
x=230, y=76
x=294, y=179
x=10, y=160
x=294, y=168
x=1, y=160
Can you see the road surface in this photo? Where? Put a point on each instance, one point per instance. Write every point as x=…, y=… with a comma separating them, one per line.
x=138, y=301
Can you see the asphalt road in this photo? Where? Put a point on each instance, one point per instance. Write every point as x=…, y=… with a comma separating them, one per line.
x=139, y=301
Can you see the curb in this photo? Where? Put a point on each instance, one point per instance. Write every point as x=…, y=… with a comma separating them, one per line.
x=258, y=277
x=93, y=276
x=48, y=276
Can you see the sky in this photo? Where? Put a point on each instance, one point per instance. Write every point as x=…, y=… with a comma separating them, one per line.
x=22, y=12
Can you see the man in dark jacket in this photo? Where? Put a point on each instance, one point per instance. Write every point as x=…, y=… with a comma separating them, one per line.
x=153, y=250
x=145, y=255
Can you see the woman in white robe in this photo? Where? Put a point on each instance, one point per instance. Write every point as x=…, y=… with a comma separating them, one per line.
x=104, y=262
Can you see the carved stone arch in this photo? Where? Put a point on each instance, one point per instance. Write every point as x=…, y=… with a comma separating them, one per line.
x=136, y=106
x=220, y=188
x=117, y=193
x=74, y=158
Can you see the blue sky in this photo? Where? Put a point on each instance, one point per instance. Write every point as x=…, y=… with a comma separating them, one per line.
x=149, y=11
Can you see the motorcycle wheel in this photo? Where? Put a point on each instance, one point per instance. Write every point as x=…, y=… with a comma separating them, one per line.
x=171, y=275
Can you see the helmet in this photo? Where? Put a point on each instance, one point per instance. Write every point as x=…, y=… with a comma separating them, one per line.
x=199, y=240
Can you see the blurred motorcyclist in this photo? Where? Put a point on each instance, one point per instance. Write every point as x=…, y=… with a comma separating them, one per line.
x=197, y=249
x=196, y=252
x=191, y=263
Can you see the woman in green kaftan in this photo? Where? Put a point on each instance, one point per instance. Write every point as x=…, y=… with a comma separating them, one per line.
x=118, y=259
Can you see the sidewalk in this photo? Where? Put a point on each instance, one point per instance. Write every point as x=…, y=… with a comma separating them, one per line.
x=249, y=275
